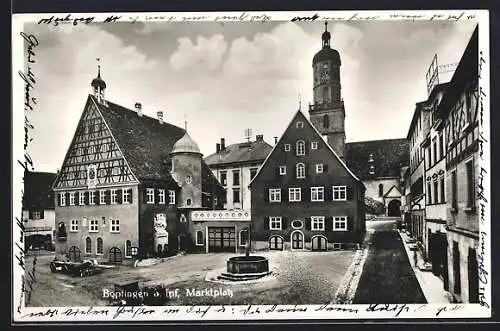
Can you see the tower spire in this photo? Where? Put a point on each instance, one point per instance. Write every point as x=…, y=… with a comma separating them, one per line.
x=98, y=84
x=300, y=101
x=325, y=37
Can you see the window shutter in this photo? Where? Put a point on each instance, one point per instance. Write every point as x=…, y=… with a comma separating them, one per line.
x=97, y=197
x=350, y=223
x=86, y=197
x=325, y=167
x=328, y=193
x=328, y=224
x=59, y=199
x=277, y=172
x=157, y=195
x=42, y=214
x=306, y=170
x=308, y=223
x=266, y=223
x=119, y=196
x=284, y=223
x=67, y=198
x=306, y=147
x=266, y=195
x=30, y=214
x=349, y=193
x=130, y=195
x=145, y=195
x=107, y=196
x=77, y=198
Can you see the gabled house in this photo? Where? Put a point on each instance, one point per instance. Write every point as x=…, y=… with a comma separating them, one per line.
x=128, y=184
x=304, y=196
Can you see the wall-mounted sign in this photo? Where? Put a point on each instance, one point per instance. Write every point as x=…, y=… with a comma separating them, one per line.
x=91, y=176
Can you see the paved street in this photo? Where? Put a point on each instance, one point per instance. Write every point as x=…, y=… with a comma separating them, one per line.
x=300, y=278
x=387, y=275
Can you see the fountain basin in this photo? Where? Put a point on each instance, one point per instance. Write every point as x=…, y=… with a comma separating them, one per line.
x=246, y=268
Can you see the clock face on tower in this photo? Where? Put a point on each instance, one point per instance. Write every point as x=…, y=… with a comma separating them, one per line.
x=325, y=76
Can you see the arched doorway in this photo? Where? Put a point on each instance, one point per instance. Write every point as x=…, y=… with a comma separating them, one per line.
x=115, y=255
x=276, y=243
x=319, y=243
x=393, y=209
x=297, y=240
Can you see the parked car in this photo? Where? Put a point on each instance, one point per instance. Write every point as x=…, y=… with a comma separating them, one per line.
x=75, y=269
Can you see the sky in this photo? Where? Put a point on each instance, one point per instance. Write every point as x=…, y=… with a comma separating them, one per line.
x=222, y=78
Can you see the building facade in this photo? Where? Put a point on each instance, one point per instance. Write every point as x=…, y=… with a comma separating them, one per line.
x=304, y=196
x=459, y=111
x=38, y=210
x=128, y=185
x=235, y=166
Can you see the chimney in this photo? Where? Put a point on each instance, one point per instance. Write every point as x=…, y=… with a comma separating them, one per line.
x=138, y=108
x=222, y=144
x=217, y=148
x=275, y=140
x=159, y=114
x=259, y=137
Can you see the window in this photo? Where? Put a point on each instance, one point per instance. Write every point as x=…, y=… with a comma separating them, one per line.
x=189, y=179
x=171, y=197
x=454, y=203
x=429, y=193
x=282, y=170
x=288, y=147
x=199, y=238
x=126, y=196
x=102, y=197
x=300, y=148
x=72, y=199
x=435, y=150
x=276, y=243
x=326, y=121
x=372, y=170
x=470, y=183
x=253, y=172
x=128, y=249
x=81, y=198
x=243, y=237
x=340, y=223
x=236, y=178
x=188, y=202
x=223, y=178
x=236, y=195
x=300, y=170
x=94, y=226
x=436, y=197
x=100, y=246
x=319, y=168
x=441, y=146
x=314, y=145
x=317, y=194
x=442, y=196
x=339, y=193
x=92, y=197
x=113, y=196
x=380, y=190
x=73, y=226
x=294, y=194
x=150, y=195
x=299, y=125
x=318, y=223
x=115, y=226
x=88, y=245
x=161, y=196
x=275, y=223
x=274, y=195
x=62, y=201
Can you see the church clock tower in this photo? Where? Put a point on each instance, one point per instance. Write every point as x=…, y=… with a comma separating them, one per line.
x=327, y=112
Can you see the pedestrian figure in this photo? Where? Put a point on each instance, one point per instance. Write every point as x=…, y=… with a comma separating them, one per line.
x=415, y=258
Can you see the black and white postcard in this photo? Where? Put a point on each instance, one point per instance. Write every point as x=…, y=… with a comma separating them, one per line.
x=209, y=166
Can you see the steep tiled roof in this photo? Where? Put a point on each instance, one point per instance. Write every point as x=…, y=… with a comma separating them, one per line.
x=388, y=157
x=240, y=153
x=38, y=190
x=145, y=142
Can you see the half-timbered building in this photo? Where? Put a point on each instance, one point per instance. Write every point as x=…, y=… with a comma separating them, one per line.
x=459, y=115
x=128, y=184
